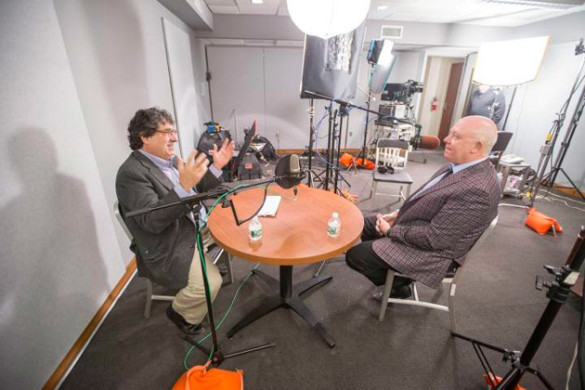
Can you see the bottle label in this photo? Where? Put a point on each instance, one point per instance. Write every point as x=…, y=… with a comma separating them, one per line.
x=256, y=233
x=333, y=229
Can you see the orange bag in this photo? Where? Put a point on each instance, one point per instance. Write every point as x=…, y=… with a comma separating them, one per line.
x=346, y=160
x=199, y=378
x=369, y=164
x=540, y=222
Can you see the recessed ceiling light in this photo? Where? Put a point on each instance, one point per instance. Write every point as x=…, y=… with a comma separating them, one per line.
x=257, y=1
x=382, y=7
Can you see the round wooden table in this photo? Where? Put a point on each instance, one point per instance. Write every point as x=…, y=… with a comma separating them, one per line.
x=298, y=235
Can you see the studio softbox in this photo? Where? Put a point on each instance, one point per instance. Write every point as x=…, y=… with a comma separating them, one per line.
x=330, y=66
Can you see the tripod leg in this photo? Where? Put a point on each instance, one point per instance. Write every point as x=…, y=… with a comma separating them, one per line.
x=249, y=350
x=573, y=184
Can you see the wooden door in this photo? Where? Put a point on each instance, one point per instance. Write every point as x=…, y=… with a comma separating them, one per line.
x=450, y=98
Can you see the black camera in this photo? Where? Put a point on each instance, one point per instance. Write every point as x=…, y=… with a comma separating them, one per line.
x=215, y=135
x=402, y=92
x=413, y=87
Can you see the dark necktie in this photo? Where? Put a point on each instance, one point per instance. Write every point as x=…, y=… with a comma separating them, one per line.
x=433, y=182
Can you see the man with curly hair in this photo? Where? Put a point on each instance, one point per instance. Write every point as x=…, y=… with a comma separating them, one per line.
x=164, y=240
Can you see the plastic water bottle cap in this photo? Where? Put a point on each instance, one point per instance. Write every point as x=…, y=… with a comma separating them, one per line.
x=335, y=215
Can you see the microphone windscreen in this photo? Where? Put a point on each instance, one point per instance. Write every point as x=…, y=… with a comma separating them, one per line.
x=294, y=166
x=288, y=171
x=429, y=142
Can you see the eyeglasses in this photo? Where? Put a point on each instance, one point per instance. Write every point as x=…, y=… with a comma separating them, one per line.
x=168, y=131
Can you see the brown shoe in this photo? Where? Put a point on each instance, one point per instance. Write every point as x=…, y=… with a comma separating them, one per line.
x=184, y=326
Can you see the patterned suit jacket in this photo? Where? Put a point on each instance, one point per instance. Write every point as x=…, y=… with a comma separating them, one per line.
x=164, y=240
x=442, y=224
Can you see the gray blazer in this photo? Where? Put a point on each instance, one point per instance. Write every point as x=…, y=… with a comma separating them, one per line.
x=441, y=225
x=164, y=240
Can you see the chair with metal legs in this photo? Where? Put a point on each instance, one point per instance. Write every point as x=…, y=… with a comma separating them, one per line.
x=391, y=160
x=451, y=280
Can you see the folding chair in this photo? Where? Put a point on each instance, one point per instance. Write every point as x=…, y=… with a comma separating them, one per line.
x=451, y=279
x=391, y=160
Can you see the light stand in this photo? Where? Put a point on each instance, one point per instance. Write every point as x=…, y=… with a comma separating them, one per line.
x=364, y=153
x=311, y=140
x=558, y=292
x=332, y=136
x=547, y=149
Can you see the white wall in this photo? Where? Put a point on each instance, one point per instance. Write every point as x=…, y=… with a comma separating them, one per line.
x=73, y=74
x=117, y=54
x=270, y=92
x=59, y=254
x=535, y=108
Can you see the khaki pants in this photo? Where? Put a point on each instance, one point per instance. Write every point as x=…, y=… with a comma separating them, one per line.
x=190, y=301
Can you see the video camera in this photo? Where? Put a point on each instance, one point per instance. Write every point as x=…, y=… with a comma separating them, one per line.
x=215, y=135
x=402, y=92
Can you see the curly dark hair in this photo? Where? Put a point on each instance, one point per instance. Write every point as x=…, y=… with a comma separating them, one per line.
x=144, y=123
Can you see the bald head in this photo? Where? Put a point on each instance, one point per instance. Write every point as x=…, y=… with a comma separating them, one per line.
x=471, y=138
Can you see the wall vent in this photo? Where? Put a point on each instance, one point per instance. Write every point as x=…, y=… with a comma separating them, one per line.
x=392, y=32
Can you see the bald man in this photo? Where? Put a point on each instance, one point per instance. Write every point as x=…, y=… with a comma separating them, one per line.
x=437, y=225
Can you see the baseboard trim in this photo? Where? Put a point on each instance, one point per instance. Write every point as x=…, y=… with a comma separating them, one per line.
x=321, y=150
x=71, y=357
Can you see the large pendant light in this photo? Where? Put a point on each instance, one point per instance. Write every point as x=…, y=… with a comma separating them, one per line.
x=327, y=18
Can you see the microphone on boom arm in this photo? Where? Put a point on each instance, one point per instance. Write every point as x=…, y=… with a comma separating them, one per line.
x=288, y=172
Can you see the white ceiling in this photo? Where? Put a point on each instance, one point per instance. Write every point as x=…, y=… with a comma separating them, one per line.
x=477, y=12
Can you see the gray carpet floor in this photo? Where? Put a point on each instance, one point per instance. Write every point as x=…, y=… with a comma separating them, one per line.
x=412, y=348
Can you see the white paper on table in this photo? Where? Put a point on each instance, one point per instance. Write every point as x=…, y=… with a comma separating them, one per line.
x=270, y=206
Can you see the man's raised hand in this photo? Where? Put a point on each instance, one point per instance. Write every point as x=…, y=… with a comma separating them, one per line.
x=191, y=172
x=222, y=156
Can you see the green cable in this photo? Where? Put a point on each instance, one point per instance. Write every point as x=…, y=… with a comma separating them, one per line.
x=228, y=311
x=204, y=267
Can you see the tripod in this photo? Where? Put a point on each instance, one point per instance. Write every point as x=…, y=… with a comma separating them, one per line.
x=558, y=292
x=547, y=149
x=333, y=136
x=364, y=153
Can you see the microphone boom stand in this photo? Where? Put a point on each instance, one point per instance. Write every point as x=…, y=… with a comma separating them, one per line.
x=216, y=354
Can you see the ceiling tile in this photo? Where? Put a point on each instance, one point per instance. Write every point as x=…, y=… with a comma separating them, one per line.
x=269, y=7
x=475, y=12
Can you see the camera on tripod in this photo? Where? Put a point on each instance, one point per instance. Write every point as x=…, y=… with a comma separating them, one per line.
x=402, y=92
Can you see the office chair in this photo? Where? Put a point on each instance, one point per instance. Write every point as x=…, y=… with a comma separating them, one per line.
x=500, y=146
x=451, y=279
x=214, y=252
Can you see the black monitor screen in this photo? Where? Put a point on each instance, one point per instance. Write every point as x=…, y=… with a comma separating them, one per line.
x=247, y=141
x=394, y=92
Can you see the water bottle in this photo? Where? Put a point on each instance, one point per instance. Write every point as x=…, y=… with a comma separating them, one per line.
x=255, y=228
x=334, y=225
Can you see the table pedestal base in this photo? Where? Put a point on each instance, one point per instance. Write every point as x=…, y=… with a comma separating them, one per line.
x=288, y=298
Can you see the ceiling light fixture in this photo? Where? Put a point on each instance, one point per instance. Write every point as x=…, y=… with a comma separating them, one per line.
x=257, y=1
x=327, y=18
x=382, y=7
